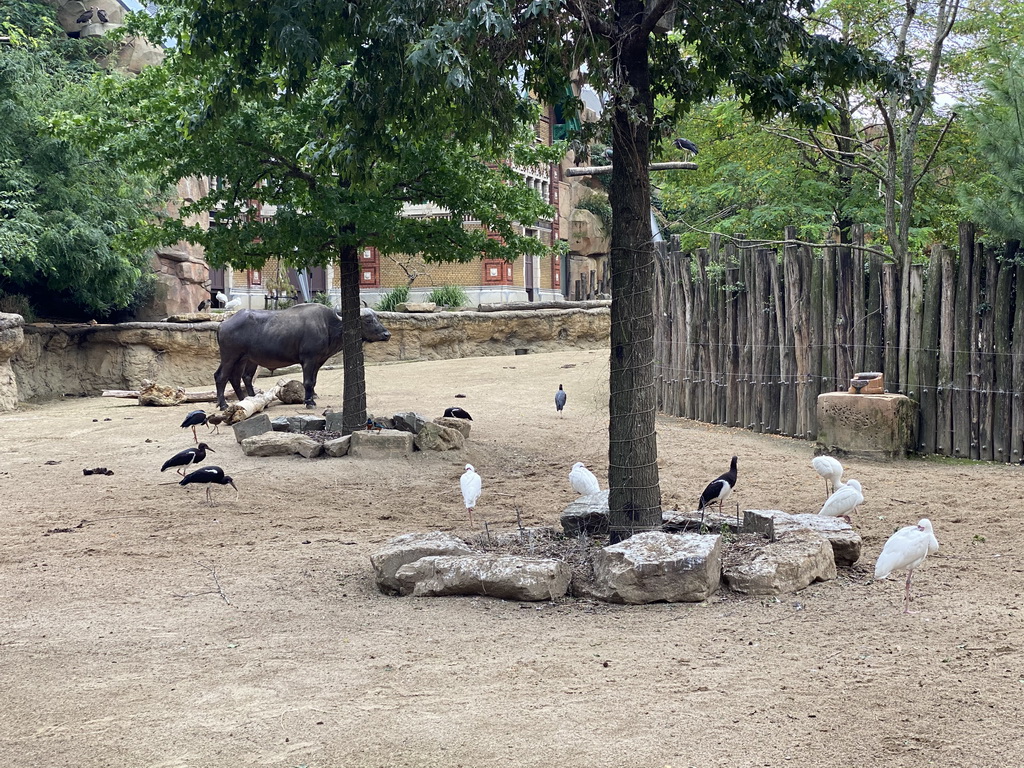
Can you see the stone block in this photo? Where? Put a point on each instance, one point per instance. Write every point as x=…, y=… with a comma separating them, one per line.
x=281, y=424
x=794, y=560
x=866, y=426
x=333, y=421
x=409, y=421
x=254, y=425
x=434, y=437
x=502, y=576
x=338, y=447
x=409, y=548
x=386, y=444
x=304, y=423
x=655, y=567
x=282, y=444
x=416, y=306
x=588, y=514
x=846, y=542
x=462, y=425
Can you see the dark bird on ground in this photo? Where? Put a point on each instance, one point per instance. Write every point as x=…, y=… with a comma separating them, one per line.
x=181, y=459
x=718, y=489
x=686, y=144
x=560, y=398
x=207, y=476
x=203, y=305
x=87, y=16
x=457, y=413
x=194, y=419
x=102, y=16
x=214, y=420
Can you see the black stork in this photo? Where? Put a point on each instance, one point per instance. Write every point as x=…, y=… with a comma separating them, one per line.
x=718, y=490
x=457, y=413
x=686, y=144
x=87, y=16
x=194, y=419
x=209, y=475
x=181, y=459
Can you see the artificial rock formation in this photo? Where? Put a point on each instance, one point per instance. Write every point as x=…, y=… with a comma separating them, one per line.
x=866, y=426
x=11, y=340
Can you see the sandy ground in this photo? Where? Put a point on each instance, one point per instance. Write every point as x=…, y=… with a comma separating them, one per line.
x=161, y=632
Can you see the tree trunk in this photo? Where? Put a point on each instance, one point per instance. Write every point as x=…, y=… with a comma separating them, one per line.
x=635, y=498
x=353, y=403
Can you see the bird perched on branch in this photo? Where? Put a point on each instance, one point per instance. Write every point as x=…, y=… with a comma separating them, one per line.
x=194, y=419
x=208, y=476
x=457, y=413
x=718, y=490
x=582, y=480
x=831, y=470
x=560, y=398
x=906, y=550
x=686, y=144
x=181, y=459
x=471, y=486
x=846, y=499
x=86, y=16
x=102, y=16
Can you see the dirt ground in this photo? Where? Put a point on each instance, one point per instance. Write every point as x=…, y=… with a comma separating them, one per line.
x=157, y=631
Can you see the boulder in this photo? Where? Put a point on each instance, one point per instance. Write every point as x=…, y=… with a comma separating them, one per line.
x=434, y=437
x=12, y=337
x=386, y=444
x=712, y=521
x=655, y=567
x=846, y=542
x=462, y=425
x=293, y=392
x=796, y=558
x=338, y=447
x=281, y=424
x=501, y=576
x=588, y=514
x=254, y=425
x=409, y=548
x=304, y=423
x=416, y=306
x=409, y=421
x=281, y=444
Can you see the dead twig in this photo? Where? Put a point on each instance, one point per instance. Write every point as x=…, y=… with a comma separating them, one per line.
x=218, y=591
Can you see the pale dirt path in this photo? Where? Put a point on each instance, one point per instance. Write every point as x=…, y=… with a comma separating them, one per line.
x=103, y=662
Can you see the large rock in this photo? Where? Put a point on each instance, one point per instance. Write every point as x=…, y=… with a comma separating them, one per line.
x=256, y=424
x=11, y=339
x=505, y=577
x=462, y=425
x=846, y=542
x=795, y=559
x=386, y=444
x=866, y=426
x=292, y=392
x=282, y=444
x=338, y=447
x=409, y=548
x=416, y=306
x=409, y=421
x=588, y=514
x=656, y=567
x=434, y=437
x=305, y=423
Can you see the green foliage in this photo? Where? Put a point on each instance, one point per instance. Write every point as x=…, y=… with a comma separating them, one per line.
x=322, y=298
x=449, y=296
x=397, y=295
x=65, y=208
x=597, y=203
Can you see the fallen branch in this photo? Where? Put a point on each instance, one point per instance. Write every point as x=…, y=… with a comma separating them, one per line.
x=218, y=591
x=208, y=396
x=250, y=406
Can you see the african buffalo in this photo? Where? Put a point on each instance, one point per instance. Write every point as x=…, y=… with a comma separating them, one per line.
x=307, y=334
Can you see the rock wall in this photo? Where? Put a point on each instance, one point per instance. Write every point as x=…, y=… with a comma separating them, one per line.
x=58, y=360
x=11, y=340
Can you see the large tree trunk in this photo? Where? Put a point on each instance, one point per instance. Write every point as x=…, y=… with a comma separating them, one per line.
x=353, y=407
x=635, y=498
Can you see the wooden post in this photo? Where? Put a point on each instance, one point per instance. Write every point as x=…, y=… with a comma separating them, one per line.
x=858, y=306
x=816, y=383
x=1017, y=354
x=947, y=333
x=985, y=378
x=891, y=315
x=828, y=320
x=916, y=313
x=928, y=402
x=962, y=346
x=874, y=359
x=1002, y=412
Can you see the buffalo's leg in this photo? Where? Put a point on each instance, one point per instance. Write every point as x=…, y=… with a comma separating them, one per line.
x=248, y=375
x=309, y=372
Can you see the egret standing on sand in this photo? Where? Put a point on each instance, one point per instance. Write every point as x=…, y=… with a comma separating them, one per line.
x=831, y=470
x=471, y=485
x=582, y=480
x=845, y=500
x=560, y=398
x=906, y=550
x=209, y=475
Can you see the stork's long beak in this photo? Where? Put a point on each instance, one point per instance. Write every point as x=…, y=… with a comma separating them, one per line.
x=236, y=489
x=210, y=449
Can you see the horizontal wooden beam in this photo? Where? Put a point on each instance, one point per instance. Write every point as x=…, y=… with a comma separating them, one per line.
x=593, y=170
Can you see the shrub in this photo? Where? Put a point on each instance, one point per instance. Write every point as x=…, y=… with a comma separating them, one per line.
x=17, y=304
x=392, y=299
x=449, y=296
x=322, y=298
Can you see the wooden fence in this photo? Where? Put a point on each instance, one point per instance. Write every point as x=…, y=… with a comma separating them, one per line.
x=745, y=338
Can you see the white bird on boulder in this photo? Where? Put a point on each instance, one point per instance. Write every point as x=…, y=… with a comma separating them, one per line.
x=471, y=487
x=222, y=298
x=831, y=470
x=906, y=550
x=583, y=481
x=846, y=499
